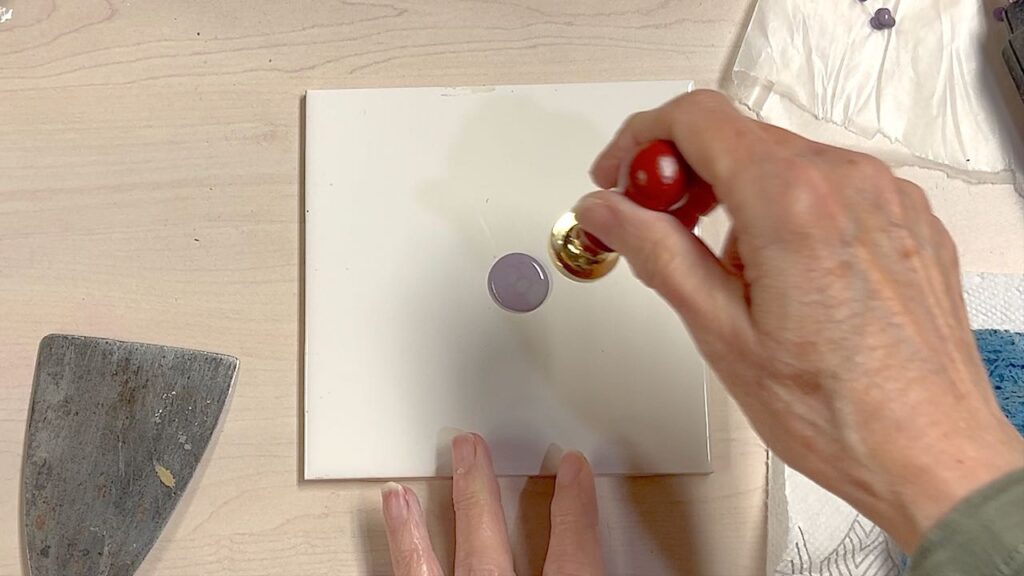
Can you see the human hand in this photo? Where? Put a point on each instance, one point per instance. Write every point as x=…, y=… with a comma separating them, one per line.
x=834, y=316
x=481, y=539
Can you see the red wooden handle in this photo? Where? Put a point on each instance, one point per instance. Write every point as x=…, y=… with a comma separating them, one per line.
x=658, y=178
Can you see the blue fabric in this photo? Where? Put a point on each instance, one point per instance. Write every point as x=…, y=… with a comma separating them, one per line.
x=1002, y=351
x=1003, y=354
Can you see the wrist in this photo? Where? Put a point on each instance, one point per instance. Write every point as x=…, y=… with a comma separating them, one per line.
x=932, y=482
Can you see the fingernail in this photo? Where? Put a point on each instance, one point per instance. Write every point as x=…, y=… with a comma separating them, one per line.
x=570, y=468
x=412, y=503
x=463, y=452
x=589, y=202
x=594, y=212
x=396, y=507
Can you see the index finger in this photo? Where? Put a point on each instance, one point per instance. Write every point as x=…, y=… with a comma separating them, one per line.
x=408, y=541
x=718, y=142
x=481, y=539
x=710, y=133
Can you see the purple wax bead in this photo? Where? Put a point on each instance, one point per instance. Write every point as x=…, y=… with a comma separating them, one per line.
x=518, y=282
x=999, y=13
x=882, y=20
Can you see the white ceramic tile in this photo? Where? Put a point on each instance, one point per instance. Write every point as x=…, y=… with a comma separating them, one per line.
x=411, y=194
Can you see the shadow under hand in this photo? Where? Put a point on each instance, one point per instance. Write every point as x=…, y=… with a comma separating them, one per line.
x=1001, y=94
x=374, y=541
x=530, y=530
x=667, y=520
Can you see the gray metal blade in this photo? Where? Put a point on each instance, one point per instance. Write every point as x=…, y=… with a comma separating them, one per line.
x=115, y=433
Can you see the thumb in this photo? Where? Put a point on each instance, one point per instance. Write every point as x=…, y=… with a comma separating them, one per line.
x=673, y=262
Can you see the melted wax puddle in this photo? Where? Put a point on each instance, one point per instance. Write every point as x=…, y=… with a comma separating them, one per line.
x=518, y=282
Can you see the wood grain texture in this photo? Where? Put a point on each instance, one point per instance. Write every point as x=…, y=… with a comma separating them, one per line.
x=150, y=185
x=150, y=180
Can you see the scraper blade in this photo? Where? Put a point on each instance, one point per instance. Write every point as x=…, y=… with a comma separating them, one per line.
x=116, y=431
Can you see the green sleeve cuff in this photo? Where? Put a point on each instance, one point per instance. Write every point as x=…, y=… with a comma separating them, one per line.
x=983, y=535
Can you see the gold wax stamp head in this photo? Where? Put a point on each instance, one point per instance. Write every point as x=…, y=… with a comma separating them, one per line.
x=574, y=256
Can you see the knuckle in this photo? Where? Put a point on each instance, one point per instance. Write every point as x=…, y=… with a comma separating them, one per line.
x=877, y=183
x=658, y=258
x=701, y=103
x=940, y=234
x=888, y=196
x=803, y=177
x=805, y=198
x=914, y=197
x=866, y=166
x=635, y=117
x=469, y=499
x=873, y=179
x=631, y=121
x=907, y=245
x=942, y=241
x=627, y=139
x=705, y=98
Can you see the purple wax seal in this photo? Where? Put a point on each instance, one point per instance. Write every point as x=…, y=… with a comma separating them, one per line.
x=518, y=282
x=882, y=20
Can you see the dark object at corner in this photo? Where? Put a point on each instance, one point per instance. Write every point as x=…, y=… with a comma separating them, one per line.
x=1013, y=51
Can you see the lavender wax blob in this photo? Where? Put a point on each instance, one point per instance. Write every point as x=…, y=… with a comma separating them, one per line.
x=883, y=19
x=518, y=282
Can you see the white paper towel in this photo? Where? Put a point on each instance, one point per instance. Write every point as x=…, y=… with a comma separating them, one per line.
x=812, y=532
x=995, y=301
x=933, y=89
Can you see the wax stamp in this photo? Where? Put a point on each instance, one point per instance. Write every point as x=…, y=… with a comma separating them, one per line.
x=657, y=178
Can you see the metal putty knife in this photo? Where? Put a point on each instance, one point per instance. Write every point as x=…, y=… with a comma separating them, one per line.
x=115, y=432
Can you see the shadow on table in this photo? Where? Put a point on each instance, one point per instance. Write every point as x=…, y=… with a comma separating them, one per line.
x=300, y=368
x=665, y=518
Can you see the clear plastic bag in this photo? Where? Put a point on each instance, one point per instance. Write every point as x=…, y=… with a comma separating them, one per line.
x=932, y=91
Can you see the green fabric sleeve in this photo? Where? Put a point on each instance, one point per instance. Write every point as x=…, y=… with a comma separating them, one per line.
x=983, y=535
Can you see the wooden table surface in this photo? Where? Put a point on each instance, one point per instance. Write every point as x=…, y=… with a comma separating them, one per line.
x=150, y=185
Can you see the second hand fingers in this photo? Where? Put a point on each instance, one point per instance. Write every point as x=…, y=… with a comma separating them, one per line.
x=481, y=538
x=408, y=541
x=575, y=545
